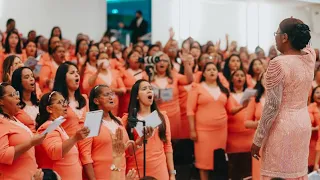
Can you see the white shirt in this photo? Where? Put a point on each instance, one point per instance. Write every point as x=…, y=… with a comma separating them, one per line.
x=139, y=21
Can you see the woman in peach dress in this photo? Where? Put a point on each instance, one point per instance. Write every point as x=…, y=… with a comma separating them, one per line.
x=284, y=129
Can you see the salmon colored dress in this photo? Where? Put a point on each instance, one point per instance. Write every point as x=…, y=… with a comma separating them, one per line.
x=155, y=151
x=12, y=134
x=284, y=130
x=172, y=107
x=48, y=71
x=239, y=138
x=23, y=117
x=128, y=80
x=211, y=130
x=98, y=150
x=315, y=120
x=74, y=118
x=183, y=98
x=49, y=154
x=256, y=109
x=114, y=82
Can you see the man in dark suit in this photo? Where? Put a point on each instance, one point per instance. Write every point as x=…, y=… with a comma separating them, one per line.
x=138, y=26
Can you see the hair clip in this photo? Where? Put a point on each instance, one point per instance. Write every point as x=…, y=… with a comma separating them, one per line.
x=50, y=95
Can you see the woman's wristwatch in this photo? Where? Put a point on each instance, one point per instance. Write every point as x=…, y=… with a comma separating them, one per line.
x=172, y=172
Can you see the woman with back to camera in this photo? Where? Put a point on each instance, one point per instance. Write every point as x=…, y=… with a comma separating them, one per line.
x=58, y=150
x=158, y=149
x=17, y=160
x=284, y=129
x=24, y=82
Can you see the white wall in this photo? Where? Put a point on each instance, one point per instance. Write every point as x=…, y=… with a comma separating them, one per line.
x=73, y=16
x=248, y=22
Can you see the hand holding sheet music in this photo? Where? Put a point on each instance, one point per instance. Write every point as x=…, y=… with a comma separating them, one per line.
x=55, y=123
x=152, y=120
x=248, y=93
x=93, y=122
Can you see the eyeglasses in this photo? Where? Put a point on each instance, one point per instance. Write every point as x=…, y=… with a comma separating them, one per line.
x=276, y=33
x=108, y=94
x=62, y=102
x=13, y=94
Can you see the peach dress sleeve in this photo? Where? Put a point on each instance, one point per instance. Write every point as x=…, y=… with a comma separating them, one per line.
x=49, y=154
x=156, y=149
x=25, y=165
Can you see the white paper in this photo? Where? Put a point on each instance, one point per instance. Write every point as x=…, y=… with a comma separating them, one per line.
x=31, y=62
x=166, y=94
x=152, y=120
x=56, y=123
x=314, y=176
x=248, y=93
x=93, y=122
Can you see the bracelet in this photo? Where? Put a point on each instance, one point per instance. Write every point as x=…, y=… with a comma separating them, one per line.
x=173, y=172
x=114, y=168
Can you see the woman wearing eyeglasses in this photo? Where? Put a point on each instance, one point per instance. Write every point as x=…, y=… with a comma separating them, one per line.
x=159, y=158
x=167, y=82
x=58, y=150
x=24, y=82
x=67, y=83
x=98, y=71
x=96, y=154
x=17, y=155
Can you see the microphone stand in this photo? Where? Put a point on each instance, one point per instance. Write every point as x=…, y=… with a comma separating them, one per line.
x=148, y=69
x=136, y=120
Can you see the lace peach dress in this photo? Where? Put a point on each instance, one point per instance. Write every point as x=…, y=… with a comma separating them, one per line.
x=284, y=130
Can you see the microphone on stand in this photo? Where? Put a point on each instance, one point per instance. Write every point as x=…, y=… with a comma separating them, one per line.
x=133, y=119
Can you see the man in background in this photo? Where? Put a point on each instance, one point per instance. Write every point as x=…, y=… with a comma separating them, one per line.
x=138, y=26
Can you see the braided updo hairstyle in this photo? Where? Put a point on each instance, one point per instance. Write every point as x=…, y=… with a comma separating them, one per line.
x=298, y=32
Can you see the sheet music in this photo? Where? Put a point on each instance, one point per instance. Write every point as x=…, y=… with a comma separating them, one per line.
x=55, y=123
x=93, y=122
x=248, y=93
x=152, y=120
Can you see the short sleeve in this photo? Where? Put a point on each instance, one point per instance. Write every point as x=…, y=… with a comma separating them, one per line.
x=275, y=73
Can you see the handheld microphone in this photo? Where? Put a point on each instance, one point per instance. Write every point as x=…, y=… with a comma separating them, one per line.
x=149, y=60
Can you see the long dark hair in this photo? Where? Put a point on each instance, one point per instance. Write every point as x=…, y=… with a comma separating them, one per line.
x=250, y=70
x=2, y=92
x=7, y=45
x=134, y=103
x=96, y=92
x=59, y=30
x=16, y=83
x=44, y=115
x=260, y=89
x=226, y=69
x=312, y=94
x=60, y=84
x=222, y=88
x=231, y=83
x=78, y=45
x=6, y=67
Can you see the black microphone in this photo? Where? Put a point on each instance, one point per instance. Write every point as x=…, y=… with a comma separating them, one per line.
x=149, y=60
x=133, y=119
